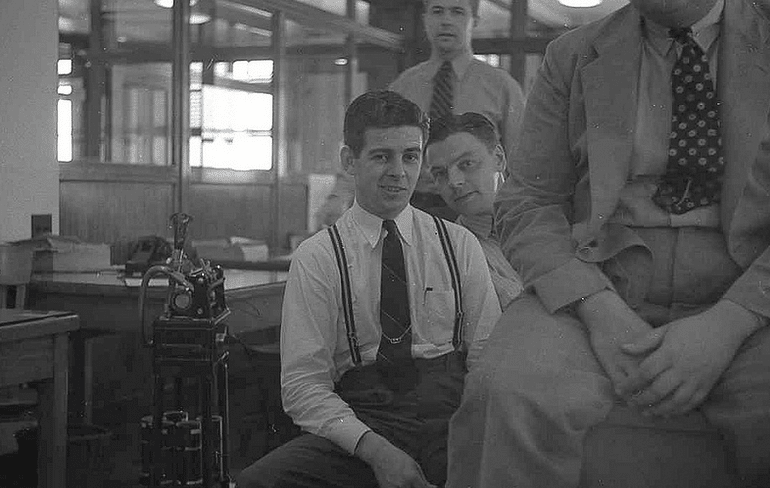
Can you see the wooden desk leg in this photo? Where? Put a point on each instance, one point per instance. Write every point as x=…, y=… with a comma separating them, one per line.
x=82, y=377
x=52, y=446
x=88, y=381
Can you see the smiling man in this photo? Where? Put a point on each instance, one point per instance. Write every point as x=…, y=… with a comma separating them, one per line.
x=466, y=162
x=379, y=325
x=453, y=81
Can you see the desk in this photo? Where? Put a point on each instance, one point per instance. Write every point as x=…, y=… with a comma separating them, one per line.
x=114, y=364
x=34, y=347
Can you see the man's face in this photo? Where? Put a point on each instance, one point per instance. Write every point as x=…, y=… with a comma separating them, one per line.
x=674, y=13
x=465, y=170
x=387, y=169
x=449, y=24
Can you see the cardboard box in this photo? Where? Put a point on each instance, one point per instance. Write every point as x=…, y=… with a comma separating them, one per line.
x=232, y=249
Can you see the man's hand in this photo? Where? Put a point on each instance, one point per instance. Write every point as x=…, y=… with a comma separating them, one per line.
x=685, y=358
x=392, y=467
x=611, y=323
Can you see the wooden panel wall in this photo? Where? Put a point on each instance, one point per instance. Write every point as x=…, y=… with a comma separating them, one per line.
x=98, y=211
x=223, y=210
x=115, y=205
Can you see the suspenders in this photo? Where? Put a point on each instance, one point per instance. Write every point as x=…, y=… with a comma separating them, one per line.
x=347, y=297
x=454, y=273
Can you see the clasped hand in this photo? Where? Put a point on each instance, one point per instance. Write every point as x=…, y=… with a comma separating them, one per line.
x=669, y=370
x=680, y=362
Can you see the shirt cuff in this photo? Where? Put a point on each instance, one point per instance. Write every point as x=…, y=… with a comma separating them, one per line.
x=570, y=282
x=346, y=432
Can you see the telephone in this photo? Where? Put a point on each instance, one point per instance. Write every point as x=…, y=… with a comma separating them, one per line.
x=148, y=251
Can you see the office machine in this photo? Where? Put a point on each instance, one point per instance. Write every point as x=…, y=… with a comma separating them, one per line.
x=185, y=442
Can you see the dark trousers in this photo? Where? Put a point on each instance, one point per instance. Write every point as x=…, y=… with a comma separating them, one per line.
x=410, y=407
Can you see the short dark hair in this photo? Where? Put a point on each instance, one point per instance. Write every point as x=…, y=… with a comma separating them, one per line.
x=380, y=110
x=473, y=123
x=474, y=6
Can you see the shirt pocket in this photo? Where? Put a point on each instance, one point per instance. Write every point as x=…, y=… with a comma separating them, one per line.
x=437, y=316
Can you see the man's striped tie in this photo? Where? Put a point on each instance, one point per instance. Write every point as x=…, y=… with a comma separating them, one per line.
x=396, y=341
x=443, y=95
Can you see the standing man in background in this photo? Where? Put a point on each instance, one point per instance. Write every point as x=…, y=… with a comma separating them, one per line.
x=453, y=81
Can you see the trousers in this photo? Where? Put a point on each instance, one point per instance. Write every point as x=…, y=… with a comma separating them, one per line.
x=538, y=387
x=412, y=413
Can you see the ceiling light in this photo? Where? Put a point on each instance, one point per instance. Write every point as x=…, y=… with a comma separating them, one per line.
x=170, y=3
x=199, y=18
x=341, y=62
x=580, y=3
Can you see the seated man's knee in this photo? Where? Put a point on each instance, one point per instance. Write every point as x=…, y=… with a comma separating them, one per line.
x=256, y=475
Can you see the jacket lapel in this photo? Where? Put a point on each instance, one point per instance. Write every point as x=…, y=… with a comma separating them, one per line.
x=743, y=83
x=610, y=84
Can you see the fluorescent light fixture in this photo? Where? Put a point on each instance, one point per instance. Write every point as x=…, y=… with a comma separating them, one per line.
x=199, y=18
x=580, y=3
x=196, y=16
x=341, y=62
x=170, y=3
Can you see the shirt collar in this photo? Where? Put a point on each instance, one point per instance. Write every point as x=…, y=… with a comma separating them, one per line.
x=704, y=32
x=459, y=64
x=371, y=225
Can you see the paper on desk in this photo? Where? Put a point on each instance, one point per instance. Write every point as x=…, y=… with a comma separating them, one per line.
x=133, y=282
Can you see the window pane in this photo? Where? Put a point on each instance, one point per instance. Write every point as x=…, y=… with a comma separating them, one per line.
x=141, y=113
x=236, y=128
x=64, y=130
x=240, y=151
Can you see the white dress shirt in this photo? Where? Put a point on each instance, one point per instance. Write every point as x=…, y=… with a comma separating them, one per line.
x=314, y=345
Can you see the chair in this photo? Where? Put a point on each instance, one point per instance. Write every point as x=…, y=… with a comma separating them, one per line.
x=15, y=273
x=279, y=428
x=264, y=425
x=631, y=451
x=13, y=298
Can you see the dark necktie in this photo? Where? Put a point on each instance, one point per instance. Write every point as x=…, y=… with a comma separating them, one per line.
x=396, y=341
x=443, y=95
x=695, y=163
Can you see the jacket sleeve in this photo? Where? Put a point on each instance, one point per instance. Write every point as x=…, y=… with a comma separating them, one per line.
x=513, y=112
x=534, y=207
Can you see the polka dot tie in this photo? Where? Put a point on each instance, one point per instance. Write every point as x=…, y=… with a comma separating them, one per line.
x=693, y=176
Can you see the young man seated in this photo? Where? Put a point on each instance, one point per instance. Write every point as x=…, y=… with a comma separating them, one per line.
x=467, y=161
x=382, y=316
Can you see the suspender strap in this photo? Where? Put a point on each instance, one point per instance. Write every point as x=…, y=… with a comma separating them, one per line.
x=454, y=272
x=347, y=297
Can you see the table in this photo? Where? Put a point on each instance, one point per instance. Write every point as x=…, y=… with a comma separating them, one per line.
x=108, y=353
x=34, y=348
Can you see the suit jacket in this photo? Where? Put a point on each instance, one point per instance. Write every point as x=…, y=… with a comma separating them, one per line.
x=575, y=153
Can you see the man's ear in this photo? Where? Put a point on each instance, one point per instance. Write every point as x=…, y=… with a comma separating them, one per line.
x=347, y=160
x=499, y=155
x=475, y=21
